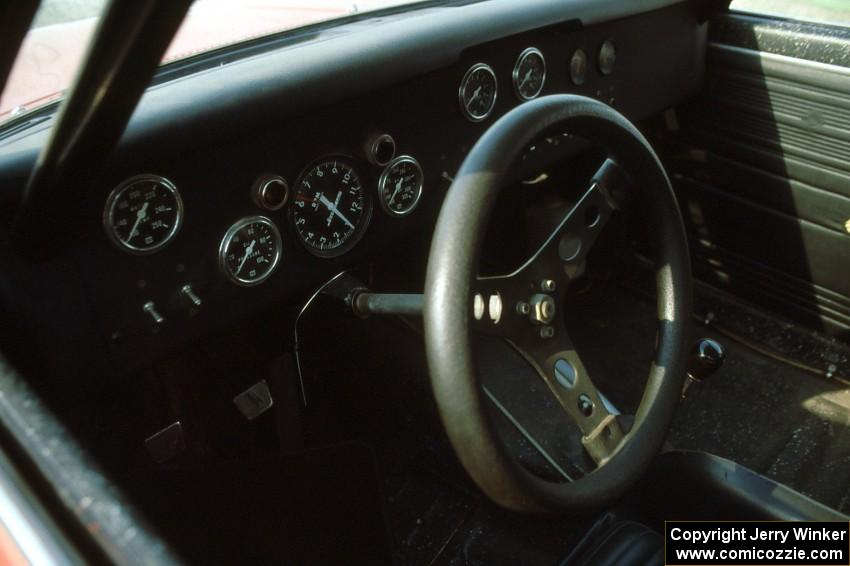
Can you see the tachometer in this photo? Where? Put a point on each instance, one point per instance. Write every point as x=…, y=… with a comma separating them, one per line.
x=250, y=250
x=143, y=214
x=477, y=92
x=400, y=185
x=529, y=74
x=331, y=208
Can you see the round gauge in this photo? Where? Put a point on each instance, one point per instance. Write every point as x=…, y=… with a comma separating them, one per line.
x=607, y=57
x=578, y=67
x=331, y=207
x=529, y=74
x=250, y=250
x=143, y=214
x=400, y=185
x=477, y=92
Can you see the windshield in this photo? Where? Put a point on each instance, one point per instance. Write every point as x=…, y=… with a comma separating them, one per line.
x=56, y=43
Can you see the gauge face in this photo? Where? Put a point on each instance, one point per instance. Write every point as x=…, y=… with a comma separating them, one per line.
x=400, y=185
x=529, y=74
x=607, y=57
x=143, y=214
x=578, y=67
x=250, y=250
x=478, y=92
x=331, y=207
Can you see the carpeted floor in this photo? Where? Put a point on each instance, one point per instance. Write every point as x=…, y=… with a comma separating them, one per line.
x=781, y=421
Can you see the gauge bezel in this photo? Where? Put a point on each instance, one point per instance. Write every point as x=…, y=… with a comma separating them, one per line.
x=259, y=187
x=515, y=74
x=382, y=180
x=109, y=214
x=226, y=240
x=368, y=205
x=462, y=91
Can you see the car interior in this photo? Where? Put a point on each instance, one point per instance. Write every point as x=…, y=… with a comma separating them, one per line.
x=452, y=282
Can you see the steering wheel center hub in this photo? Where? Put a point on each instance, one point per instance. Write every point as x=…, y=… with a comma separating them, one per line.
x=542, y=309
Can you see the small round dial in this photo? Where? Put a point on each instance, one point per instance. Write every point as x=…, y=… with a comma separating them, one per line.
x=529, y=74
x=250, y=250
x=400, y=185
x=607, y=57
x=578, y=67
x=477, y=92
x=143, y=214
x=331, y=207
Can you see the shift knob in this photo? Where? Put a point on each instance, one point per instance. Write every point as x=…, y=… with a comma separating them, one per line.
x=707, y=356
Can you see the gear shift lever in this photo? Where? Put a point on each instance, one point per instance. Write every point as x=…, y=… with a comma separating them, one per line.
x=706, y=358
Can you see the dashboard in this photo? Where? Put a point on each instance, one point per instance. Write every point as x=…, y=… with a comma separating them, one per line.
x=206, y=215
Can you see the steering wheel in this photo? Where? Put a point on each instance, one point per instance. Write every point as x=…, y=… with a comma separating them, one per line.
x=526, y=308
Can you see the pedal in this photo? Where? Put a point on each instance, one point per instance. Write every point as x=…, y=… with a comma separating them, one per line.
x=167, y=443
x=255, y=400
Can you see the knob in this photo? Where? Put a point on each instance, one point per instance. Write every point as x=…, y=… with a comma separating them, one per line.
x=380, y=149
x=707, y=356
x=271, y=192
x=189, y=294
x=542, y=309
x=150, y=308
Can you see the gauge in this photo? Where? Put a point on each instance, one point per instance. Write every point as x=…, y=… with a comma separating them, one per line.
x=578, y=67
x=331, y=207
x=143, y=214
x=477, y=92
x=400, y=185
x=529, y=74
x=250, y=250
x=607, y=57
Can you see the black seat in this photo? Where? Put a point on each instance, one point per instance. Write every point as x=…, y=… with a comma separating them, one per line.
x=612, y=542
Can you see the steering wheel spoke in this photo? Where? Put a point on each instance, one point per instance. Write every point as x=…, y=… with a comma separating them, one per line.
x=578, y=231
x=573, y=238
x=556, y=361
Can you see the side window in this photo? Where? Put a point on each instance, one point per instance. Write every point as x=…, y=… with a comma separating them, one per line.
x=834, y=12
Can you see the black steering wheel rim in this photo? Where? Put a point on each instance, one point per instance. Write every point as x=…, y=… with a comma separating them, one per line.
x=452, y=267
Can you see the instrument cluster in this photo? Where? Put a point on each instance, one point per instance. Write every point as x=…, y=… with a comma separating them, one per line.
x=479, y=87
x=327, y=210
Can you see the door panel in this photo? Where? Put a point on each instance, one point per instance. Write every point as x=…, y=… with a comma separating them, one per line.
x=762, y=167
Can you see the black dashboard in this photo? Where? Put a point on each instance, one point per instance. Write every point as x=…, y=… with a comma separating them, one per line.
x=309, y=111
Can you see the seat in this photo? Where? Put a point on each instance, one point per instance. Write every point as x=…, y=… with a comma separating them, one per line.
x=613, y=542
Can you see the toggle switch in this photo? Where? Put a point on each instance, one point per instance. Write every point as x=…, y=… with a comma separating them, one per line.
x=150, y=308
x=191, y=297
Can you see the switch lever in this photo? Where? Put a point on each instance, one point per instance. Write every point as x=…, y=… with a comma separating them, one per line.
x=150, y=308
x=191, y=297
x=707, y=356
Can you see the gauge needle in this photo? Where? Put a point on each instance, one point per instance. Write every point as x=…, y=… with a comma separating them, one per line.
x=397, y=189
x=140, y=215
x=525, y=78
x=248, y=251
x=332, y=207
x=475, y=95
